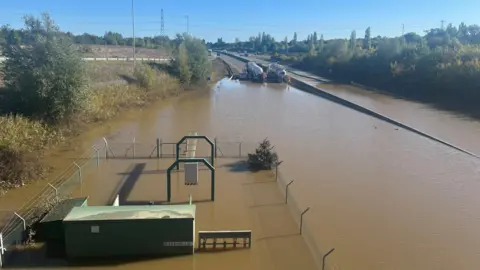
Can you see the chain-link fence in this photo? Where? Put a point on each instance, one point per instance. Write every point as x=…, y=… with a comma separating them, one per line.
x=16, y=226
x=305, y=230
x=162, y=148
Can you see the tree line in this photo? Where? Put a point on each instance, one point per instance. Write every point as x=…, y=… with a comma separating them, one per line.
x=442, y=66
x=21, y=37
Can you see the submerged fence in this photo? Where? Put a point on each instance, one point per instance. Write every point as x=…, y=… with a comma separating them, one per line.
x=15, y=230
x=16, y=225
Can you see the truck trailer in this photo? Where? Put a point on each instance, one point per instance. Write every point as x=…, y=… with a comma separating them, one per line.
x=276, y=72
x=254, y=72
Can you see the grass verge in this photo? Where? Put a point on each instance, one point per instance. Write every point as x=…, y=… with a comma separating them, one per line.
x=23, y=141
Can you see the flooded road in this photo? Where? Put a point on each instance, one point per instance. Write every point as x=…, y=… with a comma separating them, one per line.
x=451, y=127
x=383, y=197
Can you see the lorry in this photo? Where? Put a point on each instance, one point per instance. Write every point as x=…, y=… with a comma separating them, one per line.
x=254, y=72
x=276, y=72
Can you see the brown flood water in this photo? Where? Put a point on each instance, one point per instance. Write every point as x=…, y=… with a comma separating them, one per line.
x=383, y=197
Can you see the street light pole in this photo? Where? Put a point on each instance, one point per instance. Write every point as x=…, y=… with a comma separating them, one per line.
x=133, y=27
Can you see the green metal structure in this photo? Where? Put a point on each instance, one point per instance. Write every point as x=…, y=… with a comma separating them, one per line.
x=212, y=148
x=190, y=160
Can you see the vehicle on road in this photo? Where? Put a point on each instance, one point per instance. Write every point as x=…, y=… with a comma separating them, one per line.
x=276, y=72
x=254, y=72
x=218, y=54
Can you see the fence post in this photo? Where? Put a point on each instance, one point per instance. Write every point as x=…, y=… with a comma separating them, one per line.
x=301, y=219
x=23, y=220
x=55, y=189
x=158, y=148
x=240, y=149
x=97, y=152
x=286, y=191
x=325, y=256
x=106, y=148
x=2, y=250
x=276, y=169
x=133, y=147
x=215, y=146
x=161, y=148
x=80, y=176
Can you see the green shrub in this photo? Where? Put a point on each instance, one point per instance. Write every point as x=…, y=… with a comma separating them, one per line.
x=145, y=76
x=46, y=79
x=264, y=157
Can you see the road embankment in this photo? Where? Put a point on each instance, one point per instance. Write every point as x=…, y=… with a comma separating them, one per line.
x=300, y=84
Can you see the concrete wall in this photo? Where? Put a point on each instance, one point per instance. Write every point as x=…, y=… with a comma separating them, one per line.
x=301, y=85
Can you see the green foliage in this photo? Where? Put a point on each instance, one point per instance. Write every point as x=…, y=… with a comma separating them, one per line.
x=45, y=80
x=144, y=76
x=182, y=64
x=191, y=60
x=264, y=157
x=367, y=41
x=442, y=67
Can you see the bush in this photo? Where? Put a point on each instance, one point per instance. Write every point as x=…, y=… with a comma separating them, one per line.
x=145, y=76
x=191, y=59
x=46, y=79
x=264, y=158
x=21, y=143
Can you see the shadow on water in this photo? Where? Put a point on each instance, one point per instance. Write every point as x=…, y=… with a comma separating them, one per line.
x=129, y=183
x=36, y=257
x=240, y=166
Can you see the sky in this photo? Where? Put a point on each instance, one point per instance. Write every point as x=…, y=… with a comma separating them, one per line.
x=212, y=19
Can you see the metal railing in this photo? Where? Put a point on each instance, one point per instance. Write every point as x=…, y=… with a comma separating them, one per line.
x=15, y=230
x=16, y=226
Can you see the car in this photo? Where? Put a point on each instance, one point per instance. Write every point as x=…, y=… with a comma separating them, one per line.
x=218, y=54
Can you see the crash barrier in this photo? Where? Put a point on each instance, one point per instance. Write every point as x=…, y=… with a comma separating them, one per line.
x=301, y=85
x=143, y=59
x=126, y=59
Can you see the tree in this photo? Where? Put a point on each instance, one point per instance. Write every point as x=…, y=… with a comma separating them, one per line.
x=191, y=61
x=367, y=42
x=294, y=41
x=45, y=80
x=264, y=157
x=315, y=39
x=321, y=44
x=353, y=41
x=198, y=60
x=181, y=64
x=285, y=41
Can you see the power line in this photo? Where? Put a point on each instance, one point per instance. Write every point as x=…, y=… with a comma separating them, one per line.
x=133, y=36
x=162, y=26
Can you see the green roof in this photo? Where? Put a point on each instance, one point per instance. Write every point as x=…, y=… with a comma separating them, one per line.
x=126, y=212
x=61, y=210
